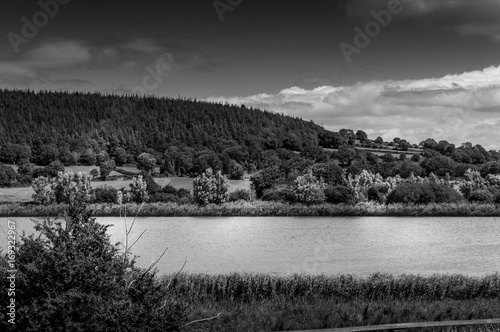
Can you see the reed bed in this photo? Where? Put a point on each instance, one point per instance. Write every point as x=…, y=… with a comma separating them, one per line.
x=239, y=287
x=259, y=302
x=260, y=208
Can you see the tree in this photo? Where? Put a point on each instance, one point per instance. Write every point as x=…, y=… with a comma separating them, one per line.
x=439, y=165
x=404, y=145
x=308, y=190
x=490, y=167
x=379, y=140
x=101, y=158
x=346, y=155
x=121, y=156
x=7, y=175
x=361, y=135
x=47, y=154
x=388, y=158
x=106, y=167
x=265, y=179
x=146, y=162
x=315, y=153
x=139, y=190
x=210, y=188
x=88, y=158
x=339, y=195
x=331, y=173
x=347, y=133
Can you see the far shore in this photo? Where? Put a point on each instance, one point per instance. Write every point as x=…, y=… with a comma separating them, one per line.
x=258, y=209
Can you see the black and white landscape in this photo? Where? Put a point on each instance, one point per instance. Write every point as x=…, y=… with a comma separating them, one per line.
x=275, y=165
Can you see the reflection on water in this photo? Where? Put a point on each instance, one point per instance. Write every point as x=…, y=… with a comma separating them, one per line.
x=281, y=245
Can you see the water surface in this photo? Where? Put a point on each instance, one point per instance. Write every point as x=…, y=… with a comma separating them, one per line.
x=330, y=245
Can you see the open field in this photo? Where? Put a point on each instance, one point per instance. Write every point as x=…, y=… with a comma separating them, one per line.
x=23, y=195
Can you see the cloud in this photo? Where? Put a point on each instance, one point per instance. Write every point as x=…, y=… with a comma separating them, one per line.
x=69, y=64
x=452, y=107
x=464, y=17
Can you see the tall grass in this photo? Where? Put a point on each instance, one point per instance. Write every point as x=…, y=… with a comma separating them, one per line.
x=261, y=208
x=258, y=302
x=343, y=288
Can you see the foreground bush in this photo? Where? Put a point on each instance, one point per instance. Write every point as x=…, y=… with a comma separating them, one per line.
x=71, y=278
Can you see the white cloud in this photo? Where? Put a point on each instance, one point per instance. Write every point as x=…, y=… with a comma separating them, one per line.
x=455, y=107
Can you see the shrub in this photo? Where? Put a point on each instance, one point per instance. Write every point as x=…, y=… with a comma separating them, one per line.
x=423, y=193
x=164, y=198
x=105, y=194
x=265, y=179
x=183, y=192
x=339, y=195
x=236, y=172
x=43, y=194
x=106, y=167
x=7, y=175
x=490, y=167
x=138, y=190
x=146, y=162
x=278, y=195
x=169, y=189
x=151, y=186
x=210, y=188
x=377, y=193
x=71, y=278
x=481, y=196
x=239, y=195
x=308, y=190
x=69, y=187
x=331, y=173
x=473, y=181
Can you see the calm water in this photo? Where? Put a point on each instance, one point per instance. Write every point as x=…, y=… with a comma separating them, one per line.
x=281, y=245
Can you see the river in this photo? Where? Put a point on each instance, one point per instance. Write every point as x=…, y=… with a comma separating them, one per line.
x=316, y=245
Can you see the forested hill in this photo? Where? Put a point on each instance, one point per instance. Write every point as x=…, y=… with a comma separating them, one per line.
x=75, y=122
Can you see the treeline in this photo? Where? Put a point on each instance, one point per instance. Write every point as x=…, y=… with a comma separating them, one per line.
x=76, y=127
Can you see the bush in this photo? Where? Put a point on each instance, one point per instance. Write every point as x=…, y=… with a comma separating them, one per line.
x=106, y=194
x=164, y=198
x=169, y=189
x=210, y=188
x=71, y=278
x=308, y=190
x=377, y=193
x=239, y=195
x=339, y=195
x=265, y=179
x=138, y=190
x=151, y=186
x=331, y=173
x=278, y=195
x=423, y=193
x=7, y=175
x=481, y=196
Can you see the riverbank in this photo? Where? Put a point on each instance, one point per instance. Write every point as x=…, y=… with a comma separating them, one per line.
x=258, y=302
x=259, y=208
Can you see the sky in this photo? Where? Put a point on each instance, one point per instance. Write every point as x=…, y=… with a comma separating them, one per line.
x=411, y=68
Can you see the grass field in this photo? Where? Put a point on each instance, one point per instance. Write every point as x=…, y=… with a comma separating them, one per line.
x=24, y=194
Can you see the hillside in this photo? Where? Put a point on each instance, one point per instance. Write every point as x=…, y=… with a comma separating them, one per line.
x=75, y=122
